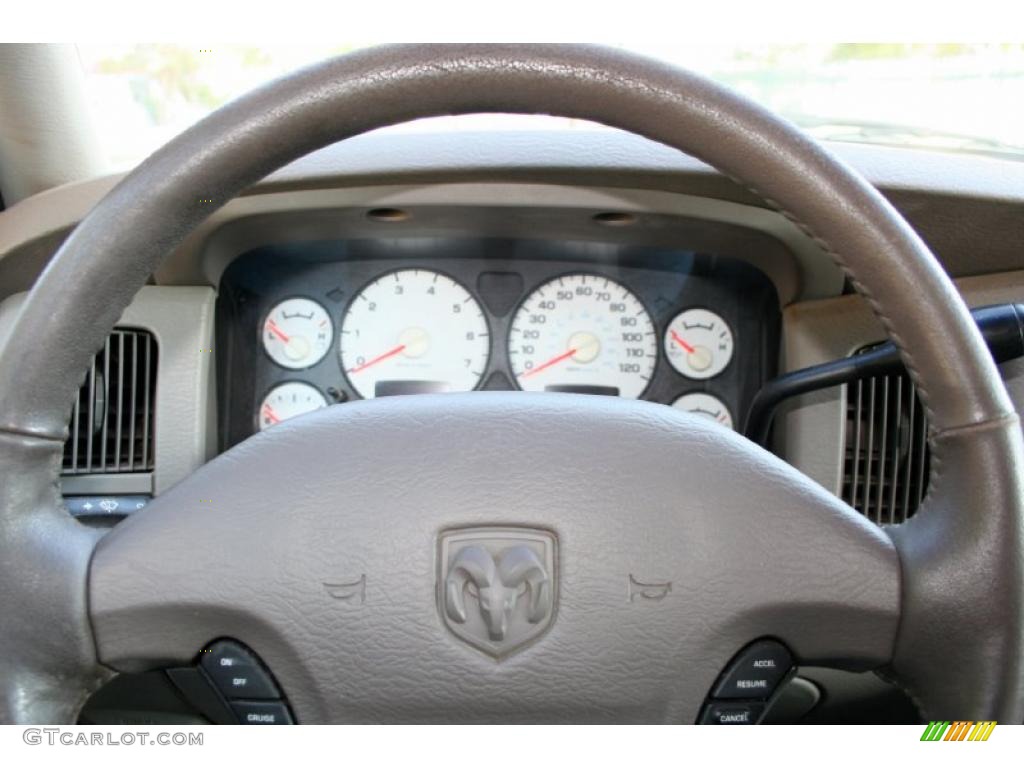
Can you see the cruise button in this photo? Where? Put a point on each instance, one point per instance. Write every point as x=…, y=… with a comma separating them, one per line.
x=756, y=672
x=262, y=712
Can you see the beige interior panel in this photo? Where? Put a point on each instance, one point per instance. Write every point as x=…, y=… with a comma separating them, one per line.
x=809, y=431
x=181, y=320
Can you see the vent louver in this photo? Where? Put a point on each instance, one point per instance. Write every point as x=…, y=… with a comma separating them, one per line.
x=111, y=429
x=885, y=459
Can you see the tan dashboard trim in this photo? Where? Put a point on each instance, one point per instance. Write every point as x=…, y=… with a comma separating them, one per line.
x=810, y=428
x=181, y=318
x=43, y=220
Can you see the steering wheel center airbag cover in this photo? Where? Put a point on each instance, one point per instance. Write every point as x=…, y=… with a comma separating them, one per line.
x=339, y=586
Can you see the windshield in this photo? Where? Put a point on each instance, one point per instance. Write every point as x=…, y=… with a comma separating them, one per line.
x=952, y=97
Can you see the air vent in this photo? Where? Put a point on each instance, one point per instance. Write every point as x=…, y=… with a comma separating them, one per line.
x=112, y=421
x=885, y=465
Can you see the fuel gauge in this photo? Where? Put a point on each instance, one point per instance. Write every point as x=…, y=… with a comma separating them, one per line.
x=297, y=333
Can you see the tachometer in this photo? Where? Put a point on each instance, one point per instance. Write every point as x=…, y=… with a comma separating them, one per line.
x=583, y=333
x=414, y=331
x=297, y=333
x=286, y=401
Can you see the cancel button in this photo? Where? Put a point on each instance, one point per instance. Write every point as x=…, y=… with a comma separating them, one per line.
x=755, y=672
x=724, y=713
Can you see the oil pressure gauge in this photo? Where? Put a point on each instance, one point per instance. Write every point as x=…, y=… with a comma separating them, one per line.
x=698, y=343
x=297, y=333
x=708, y=406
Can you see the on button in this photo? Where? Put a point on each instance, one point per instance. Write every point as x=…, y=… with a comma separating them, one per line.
x=236, y=673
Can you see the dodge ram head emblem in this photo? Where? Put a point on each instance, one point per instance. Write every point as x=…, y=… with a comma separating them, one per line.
x=497, y=587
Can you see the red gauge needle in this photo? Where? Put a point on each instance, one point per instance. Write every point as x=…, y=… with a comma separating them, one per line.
x=679, y=340
x=272, y=327
x=549, y=363
x=377, y=359
x=269, y=413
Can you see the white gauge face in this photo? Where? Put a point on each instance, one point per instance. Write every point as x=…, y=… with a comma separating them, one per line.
x=698, y=343
x=286, y=401
x=583, y=333
x=708, y=406
x=297, y=333
x=414, y=331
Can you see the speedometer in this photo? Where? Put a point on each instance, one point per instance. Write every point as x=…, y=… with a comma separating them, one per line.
x=414, y=331
x=583, y=333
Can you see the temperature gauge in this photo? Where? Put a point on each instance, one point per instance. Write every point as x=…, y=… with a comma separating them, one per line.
x=286, y=401
x=297, y=333
x=698, y=343
x=708, y=406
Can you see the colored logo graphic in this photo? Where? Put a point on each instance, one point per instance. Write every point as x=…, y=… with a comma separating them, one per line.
x=958, y=730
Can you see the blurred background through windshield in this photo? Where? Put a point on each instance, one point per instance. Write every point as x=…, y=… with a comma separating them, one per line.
x=957, y=97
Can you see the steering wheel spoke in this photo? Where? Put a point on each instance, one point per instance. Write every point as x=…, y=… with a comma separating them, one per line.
x=49, y=663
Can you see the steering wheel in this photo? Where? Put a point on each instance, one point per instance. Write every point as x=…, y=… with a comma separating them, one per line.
x=497, y=537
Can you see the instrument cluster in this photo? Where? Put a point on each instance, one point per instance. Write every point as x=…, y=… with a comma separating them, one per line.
x=690, y=331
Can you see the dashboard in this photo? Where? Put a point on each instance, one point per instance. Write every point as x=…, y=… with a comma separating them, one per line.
x=308, y=325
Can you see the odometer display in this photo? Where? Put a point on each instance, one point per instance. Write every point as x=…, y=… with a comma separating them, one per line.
x=583, y=333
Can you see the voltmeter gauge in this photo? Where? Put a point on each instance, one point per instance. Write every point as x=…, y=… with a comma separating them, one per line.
x=286, y=401
x=708, y=406
x=297, y=333
x=698, y=343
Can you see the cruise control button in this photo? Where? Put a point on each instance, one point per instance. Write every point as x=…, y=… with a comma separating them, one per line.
x=262, y=712
x=756, y=672
x=244, y=681
x=236, y=672
x=731, y=713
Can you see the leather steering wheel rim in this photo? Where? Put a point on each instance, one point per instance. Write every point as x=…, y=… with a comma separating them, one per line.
x=958, y=647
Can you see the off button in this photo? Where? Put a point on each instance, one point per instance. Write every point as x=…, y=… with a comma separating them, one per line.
x=756, y=672
x=236, y=673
